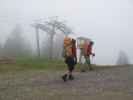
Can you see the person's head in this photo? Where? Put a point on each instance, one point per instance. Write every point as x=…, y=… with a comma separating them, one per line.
x=73, y=42
x=91, y=43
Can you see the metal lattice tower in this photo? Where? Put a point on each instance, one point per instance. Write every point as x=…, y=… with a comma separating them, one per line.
x=50, y=27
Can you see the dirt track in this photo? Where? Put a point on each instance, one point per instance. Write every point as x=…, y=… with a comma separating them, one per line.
x=101, y=84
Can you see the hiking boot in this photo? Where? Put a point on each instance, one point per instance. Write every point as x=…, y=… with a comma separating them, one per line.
x=64, y=77
x=71, y=77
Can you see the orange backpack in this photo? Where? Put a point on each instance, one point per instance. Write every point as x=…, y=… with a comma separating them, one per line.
x=67, y=41
x=67, y=47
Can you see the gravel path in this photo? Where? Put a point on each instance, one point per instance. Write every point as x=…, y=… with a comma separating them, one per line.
x=114, y=83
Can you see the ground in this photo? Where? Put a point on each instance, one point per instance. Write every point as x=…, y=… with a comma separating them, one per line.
x=112, y=83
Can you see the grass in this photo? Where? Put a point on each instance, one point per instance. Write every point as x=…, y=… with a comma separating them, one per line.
x=22, y=64
x=41, y=63
x=33, y=64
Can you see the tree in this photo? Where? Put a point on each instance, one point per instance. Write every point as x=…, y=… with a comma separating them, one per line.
x=45, y=49
x=122, y=58
x=1, y=50
x=15, y=45
x=58, y=46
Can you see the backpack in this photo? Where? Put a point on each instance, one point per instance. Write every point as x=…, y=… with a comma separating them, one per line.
x=87, y=49
x=67, y=50
x=67, y=41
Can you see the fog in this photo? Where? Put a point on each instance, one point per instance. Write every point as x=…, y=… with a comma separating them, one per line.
x=107, y=22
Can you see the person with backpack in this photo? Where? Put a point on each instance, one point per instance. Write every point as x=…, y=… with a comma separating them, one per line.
x=88, y=53
x=70, y=57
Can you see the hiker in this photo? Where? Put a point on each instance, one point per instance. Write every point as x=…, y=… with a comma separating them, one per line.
x=88, y=53
x=70, y=57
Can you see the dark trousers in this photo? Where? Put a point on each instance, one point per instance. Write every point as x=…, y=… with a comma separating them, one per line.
x=70, y=63
x=87, y=58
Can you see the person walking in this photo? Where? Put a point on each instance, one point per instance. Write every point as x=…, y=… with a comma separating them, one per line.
x=70, y=59
x=88, y=53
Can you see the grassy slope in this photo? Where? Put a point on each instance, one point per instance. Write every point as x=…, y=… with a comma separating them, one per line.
x=37, y=64
x=32, y=64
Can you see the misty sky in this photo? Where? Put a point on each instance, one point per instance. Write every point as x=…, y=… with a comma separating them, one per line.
x=108, y=22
